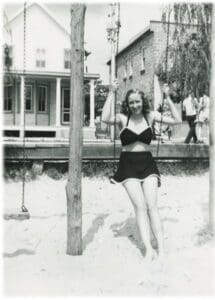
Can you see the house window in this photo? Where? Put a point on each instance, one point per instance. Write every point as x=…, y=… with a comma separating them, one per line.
x=28, y=98
x=66, y=106
x=8, y=98
x=11, y=55
x=67, y=62
x=130, y=66
x=8, y=60
x=42, y=99
x=40, y=58
x=143, y=59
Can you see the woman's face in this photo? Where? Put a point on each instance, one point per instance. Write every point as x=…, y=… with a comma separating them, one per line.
x=135, y=103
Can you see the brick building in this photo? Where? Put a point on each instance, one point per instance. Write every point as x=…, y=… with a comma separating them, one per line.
x=137, y=61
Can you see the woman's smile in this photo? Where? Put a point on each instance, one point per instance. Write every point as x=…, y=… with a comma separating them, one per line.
x=135, y=104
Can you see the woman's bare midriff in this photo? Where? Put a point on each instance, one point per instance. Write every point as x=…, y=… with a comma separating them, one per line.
x=136, y=147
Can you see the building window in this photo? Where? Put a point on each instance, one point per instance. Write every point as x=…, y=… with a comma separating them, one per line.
x=66, y=106
x=28, y=98
x=143, y=60
x=8, y=98
x=67, y=62
x=125, y=71
x=130, y=66
x=42, y=99
x=40, y=58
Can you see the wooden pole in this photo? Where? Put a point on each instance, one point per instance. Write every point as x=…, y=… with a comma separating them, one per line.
x=212, y=127
x=73, y=187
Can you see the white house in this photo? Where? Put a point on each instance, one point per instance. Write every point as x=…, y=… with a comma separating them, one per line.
x=41, y=70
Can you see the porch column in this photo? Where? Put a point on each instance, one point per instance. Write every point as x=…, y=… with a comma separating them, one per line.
x=22, y=107
x=92, y=104
x=58, y=106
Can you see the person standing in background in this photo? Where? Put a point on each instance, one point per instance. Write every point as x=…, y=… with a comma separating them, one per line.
x=203, y=116
x=190, y=107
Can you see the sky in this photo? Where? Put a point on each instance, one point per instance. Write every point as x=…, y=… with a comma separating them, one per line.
x=134, y=17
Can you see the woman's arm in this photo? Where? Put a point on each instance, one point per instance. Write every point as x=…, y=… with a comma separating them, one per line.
x=175, y=118
x=108, y=115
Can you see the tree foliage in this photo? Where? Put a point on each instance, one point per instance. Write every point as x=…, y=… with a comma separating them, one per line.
x=189, y=60
x=101, y=92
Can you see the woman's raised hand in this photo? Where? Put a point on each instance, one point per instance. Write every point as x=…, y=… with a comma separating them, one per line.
x=166, y=89
x=114, y=86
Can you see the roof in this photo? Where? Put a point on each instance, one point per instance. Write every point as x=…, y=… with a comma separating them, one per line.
x=146, y=30
x=44, y=8
x=49, y=74
x=133, y=40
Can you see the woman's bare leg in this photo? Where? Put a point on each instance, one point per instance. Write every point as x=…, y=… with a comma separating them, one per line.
x=150, y=190
x=135, y=192
x=199, y=131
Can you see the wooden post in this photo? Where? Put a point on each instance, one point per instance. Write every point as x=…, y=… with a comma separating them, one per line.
x=73, y=187
x=212, y=127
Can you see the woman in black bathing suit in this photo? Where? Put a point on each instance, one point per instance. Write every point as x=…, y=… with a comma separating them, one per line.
x=137, y=170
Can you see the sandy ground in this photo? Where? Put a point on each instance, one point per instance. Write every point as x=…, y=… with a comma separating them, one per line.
x=112, y=264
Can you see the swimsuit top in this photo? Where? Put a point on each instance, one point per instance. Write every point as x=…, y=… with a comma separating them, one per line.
x=128, y=136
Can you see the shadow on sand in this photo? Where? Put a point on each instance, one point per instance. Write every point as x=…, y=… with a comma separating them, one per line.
x=19, y=252
x=48, y=216
x=129, y=229
x=96, y=224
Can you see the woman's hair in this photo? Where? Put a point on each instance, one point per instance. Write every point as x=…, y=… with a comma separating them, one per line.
x=125, y=107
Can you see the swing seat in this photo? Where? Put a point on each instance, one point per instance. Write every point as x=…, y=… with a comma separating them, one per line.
x=13, y=214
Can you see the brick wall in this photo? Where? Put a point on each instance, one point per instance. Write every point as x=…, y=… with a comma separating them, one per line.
x=139, y=79
x=154, y=43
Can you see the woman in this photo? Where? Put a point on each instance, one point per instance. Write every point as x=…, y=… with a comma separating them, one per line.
x=203, y=116
x=137, y=170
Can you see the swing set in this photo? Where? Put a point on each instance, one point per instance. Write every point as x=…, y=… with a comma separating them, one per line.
x=23, y=213
x=113, y=31
x=73, y=188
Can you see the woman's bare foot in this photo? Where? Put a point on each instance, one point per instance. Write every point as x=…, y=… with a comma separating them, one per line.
x=151, y=255
x=161, y=255
x=161, y=251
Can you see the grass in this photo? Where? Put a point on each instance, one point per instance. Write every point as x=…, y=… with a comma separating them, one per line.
x=97, y=168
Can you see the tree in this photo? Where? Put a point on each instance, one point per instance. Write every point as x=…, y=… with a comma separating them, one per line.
x=101, y=93
x=212, y=129
x=189, y=52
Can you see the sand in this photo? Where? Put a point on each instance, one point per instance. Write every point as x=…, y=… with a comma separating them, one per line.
x=112, y=264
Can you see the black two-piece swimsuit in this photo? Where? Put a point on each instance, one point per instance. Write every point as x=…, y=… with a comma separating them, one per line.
x=136, y=165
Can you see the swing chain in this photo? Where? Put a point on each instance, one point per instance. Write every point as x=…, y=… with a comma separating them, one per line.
x=118, y=25
x=23, y=207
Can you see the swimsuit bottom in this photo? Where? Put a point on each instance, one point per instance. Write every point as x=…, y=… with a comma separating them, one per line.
x=136, y=165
